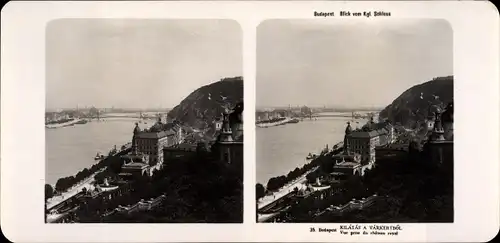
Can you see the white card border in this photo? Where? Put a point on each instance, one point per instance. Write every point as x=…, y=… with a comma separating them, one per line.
x=476, y=62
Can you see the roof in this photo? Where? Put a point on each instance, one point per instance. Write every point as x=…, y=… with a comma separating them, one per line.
x=109, y=188
x=368, y=134
x=347, y=164
x=441, y=142
x=345, y=156
x=135, y=157
x=182, y=147
x=337, y=173
x=394, y=146
x=135, y=165
x=231, y=142
x=157, y=135
x=352, y=157
x=125, y=174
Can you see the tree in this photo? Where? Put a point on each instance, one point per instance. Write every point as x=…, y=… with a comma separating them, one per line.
x=99, y=178
x=260, y=191
x=311, y=177
x=115, y=165
x=272, y=184
x=49, y=191
x=63, y=184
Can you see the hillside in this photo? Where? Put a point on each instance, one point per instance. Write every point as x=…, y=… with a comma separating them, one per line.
x=201, y=108
x=413, y=104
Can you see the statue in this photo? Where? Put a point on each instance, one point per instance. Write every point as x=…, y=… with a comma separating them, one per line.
x=348, y=129
x=137, y=129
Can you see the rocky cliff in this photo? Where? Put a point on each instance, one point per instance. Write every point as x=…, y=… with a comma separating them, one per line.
x=200, y=109
x=413, y=105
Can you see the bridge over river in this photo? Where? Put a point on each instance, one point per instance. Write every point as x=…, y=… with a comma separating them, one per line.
x=132, y=115
x=353, y=115
x=330, y=115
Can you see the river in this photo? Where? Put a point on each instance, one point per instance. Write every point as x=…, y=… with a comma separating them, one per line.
x=281, y=149
x=71, y=149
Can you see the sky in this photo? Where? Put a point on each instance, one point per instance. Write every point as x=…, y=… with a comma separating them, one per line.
x=137, y=63
x=348, y=63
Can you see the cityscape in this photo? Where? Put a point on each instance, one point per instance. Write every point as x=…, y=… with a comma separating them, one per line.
x=354, y=165
x=119, y=161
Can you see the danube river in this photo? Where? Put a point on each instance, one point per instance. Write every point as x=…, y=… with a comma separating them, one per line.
x=281, y=149
x=71, y=149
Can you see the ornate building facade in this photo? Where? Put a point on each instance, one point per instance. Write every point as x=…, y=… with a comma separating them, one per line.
x=346, y=164
x=136, y=163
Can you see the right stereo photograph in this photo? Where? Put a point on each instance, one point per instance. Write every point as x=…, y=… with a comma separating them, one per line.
x=354, y=121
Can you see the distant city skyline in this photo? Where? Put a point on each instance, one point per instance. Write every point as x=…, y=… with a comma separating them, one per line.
x=126, y=109
x=340, y=107
x=348, y=63
x=138, y=64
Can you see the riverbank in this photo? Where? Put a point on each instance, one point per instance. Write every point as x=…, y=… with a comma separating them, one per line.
x=87, y=183
x=66, y=123
x=300, y=183
x=278, y=122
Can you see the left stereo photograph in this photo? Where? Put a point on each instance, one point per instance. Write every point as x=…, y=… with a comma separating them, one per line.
x=144, y=121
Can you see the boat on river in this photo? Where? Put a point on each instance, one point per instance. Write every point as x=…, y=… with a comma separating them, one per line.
x=113, y=151
x=311, y=156
x=99, y=156
x=83, y=121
